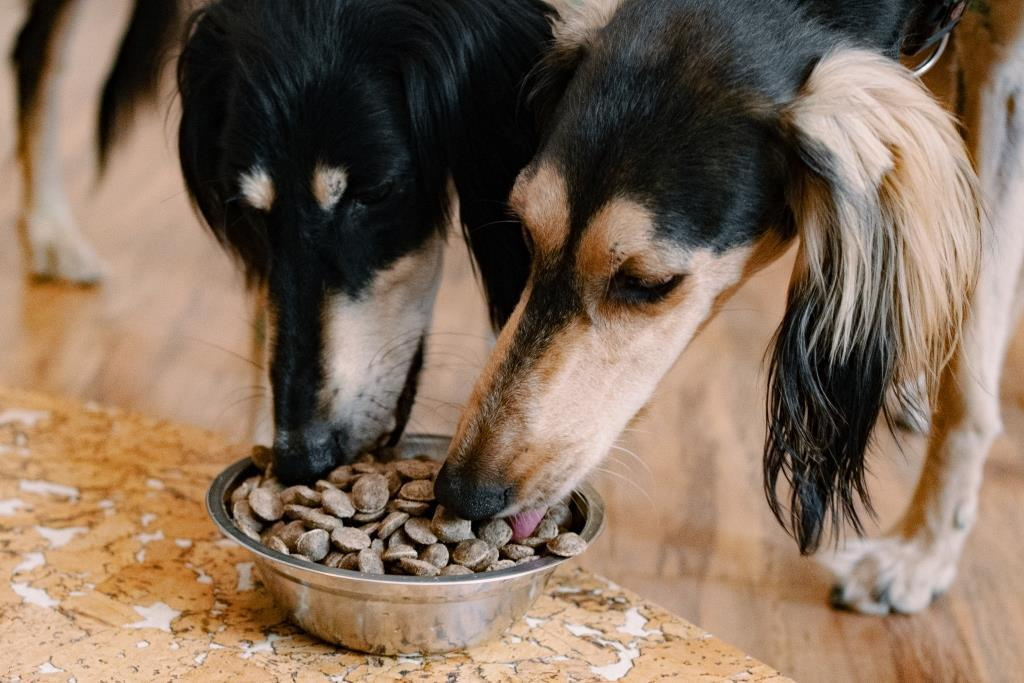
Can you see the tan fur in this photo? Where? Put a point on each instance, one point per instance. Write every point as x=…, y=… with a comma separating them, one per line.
x=903, y=228
x=329, y=185
x=541, y=200
x=257, y=188
x=580, y=20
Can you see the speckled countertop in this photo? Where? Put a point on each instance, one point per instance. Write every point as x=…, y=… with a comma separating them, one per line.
x=112, y=571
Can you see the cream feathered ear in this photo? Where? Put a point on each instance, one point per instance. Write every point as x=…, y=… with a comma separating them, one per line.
x=887, y=210
x=580, y=20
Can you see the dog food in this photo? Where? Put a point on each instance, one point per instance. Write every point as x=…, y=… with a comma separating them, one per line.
x=380, y=517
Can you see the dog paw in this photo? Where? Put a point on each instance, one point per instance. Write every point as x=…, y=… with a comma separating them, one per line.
x=879, y=576
x=59, y=252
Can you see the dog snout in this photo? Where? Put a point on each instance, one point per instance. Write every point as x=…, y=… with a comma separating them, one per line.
x=470, y=493
x=309, y=453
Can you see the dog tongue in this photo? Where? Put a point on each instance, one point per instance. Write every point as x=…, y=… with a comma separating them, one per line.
x=525, y=523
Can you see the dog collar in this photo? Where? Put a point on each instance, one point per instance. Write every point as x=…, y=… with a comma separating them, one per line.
x=934, y=24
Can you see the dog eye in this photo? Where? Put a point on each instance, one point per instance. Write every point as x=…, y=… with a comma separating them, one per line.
x=375, y=195
x=632, y=289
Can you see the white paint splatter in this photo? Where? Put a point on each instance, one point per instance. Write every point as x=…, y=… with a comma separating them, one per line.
x=149, y=538
x=534, y=623
x=9, y=506
x=34, y=596
x=30, y=562
x=245, y=582
x=47, y=667
x=174, y=646
x=159, y=615
x=140, y=555
x=48, y=488
x=201, y=657
x=250, y=648
x=19, y=451
x=105, y=504
x=155, y=484
x=147, y=519
x=142, y=643
x=59, y=538
x=183, y=542
x=627, y=654
x=635, y=623
x=29, y=418
x=201, y=576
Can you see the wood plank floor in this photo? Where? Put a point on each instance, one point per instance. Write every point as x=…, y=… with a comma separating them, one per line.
x=167, y=334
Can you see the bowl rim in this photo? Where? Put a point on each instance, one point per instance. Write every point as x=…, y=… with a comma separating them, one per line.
x=216, y=507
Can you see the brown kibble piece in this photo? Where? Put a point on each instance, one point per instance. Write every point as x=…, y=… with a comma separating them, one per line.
x=418, y=529
x=342, y=477
x=323, y=485
x=370, y=493
x=392, y=523
x=244, y=489
x=369, y=562
x=316, y=519
x=300, y=495
x=350, y=540
x=275, y=543
x=568, y=544
x=449, y=528
x=471, y=553
x=415, y=469
x=364, y=517
x=350, y=562
x=418, y=567
x=499, y=565
x=419, y=491
x=377, y=546
x=545, y=531
x=394, y=482
x=290, y=533
x=560, y=514
x=314, y=544
x=455, y=570
x=334, y=560
x=399, y=552
x=409, y=506
x=337, y=503
x=366, y=467
x=516, y=552
x=436, y=554
x=266, y=505
x=497, y=532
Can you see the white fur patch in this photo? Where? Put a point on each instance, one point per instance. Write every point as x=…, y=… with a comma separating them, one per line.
x=257, y=188
x=329, y=184
x=370, y=341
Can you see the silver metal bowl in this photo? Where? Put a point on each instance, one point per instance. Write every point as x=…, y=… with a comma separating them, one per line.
x=398, y=614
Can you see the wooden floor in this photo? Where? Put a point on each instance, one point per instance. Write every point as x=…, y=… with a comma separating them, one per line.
x=167, y=334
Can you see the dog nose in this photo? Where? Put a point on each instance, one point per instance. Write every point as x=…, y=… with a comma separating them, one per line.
x=304, y=455
x=470, y=494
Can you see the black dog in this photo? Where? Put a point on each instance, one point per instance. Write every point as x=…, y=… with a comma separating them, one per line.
x=321, y=140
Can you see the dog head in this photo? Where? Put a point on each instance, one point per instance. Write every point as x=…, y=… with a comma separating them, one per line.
x=677, y=162
x=311, y=162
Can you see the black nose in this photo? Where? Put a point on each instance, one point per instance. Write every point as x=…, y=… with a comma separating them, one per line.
x=308, y=454
x=470, y=495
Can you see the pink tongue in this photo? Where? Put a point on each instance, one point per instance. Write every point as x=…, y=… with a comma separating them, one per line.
x=525, y=523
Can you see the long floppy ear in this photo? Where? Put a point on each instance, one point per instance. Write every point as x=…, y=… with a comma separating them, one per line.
x=887, y=209
x=205, y=80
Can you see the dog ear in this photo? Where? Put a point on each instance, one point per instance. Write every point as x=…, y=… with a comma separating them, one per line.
x=205, y=77
x=886, y=205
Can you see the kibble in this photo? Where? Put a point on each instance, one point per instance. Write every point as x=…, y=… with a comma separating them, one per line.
x=314, y=544
x=381, y=518
x=350, y=540
x=337, y=503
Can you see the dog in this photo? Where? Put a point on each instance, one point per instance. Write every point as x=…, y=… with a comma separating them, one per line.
x=53, y=242
x=326, y=143
x=688, y=143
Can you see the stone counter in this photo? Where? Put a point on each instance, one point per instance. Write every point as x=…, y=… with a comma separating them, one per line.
x=112, y=571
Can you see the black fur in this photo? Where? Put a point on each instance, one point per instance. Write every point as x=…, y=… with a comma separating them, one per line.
x=30, y=58
x=679, y=104
x=134, y=77
x=153, y=28
x=404, y=94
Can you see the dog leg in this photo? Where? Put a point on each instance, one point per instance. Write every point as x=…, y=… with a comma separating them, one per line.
x=908, y=568
x=55, y=245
